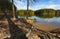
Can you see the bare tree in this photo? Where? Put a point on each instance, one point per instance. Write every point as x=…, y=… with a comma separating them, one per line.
x=28, y=2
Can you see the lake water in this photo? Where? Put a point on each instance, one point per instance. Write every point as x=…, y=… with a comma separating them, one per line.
x=47, y=23
x=49, y=20
x=55, y=21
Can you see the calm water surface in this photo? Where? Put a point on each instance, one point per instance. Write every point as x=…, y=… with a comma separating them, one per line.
x=55, y=21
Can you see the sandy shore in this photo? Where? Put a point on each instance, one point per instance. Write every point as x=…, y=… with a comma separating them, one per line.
x=45, y=26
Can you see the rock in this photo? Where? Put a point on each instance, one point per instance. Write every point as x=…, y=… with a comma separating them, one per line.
x=32, y=35
x=30, y=21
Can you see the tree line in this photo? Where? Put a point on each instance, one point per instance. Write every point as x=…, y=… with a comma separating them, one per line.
x=40, y=13
x=47, y=13
x=24, y=13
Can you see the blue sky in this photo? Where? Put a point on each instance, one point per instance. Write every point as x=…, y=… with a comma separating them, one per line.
x=38, y=4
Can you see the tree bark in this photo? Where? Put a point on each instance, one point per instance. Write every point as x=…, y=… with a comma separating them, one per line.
x=13, y=11
x=27, y=8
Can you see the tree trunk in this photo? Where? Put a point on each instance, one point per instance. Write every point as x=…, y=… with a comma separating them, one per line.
x=27, y=9
x=13, y=11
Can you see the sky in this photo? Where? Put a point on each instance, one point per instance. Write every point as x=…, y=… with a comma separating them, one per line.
x=38, y=4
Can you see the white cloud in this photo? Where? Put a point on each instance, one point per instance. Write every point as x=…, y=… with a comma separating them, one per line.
x=53, y=6
x=22, y=5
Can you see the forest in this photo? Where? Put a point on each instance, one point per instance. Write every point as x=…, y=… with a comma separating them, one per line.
x=46, y=13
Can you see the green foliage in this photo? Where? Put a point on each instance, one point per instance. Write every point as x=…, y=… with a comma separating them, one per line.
x=24, y=13
x=57, y=13
x=46, y=13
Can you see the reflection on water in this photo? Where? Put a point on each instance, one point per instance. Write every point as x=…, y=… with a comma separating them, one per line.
x=53, y=21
